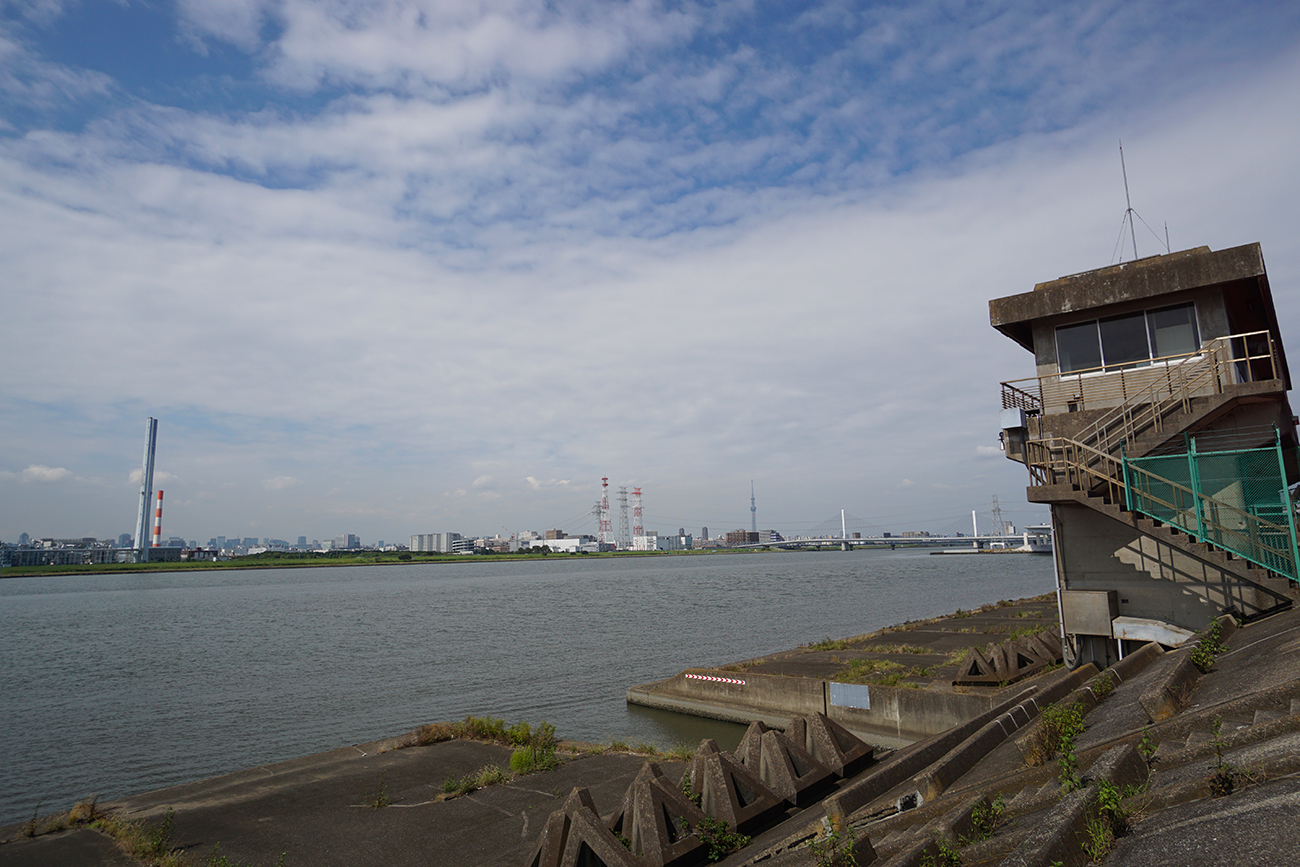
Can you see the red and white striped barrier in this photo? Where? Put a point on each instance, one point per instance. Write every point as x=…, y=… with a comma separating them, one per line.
x=715, y=679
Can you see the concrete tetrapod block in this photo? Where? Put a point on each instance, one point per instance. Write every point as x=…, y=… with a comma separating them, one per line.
x=657, y=818
x=791, y=771
x=1011, y=660
x=749, y=750
x=575, y=836
x=831, y=743
x=729, y=792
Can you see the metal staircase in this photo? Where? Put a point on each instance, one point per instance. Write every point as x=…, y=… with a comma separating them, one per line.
x=1104, y=465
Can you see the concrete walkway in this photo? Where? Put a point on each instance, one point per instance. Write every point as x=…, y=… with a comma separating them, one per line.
x=318, y=810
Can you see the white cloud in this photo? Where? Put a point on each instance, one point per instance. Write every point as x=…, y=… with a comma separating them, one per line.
x=467, y=253
x=39, y=473
x=160, y=477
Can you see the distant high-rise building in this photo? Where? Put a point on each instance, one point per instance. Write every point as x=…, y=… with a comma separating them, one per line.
x=443, y=543
x=302, y=541
x=23, y=539
x=123, y=541
x=704, y=533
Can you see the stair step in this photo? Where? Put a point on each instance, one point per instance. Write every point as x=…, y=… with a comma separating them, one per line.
x=1267, y=716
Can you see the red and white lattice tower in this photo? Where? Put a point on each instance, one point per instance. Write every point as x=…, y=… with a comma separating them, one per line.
x=157, y=522
x=606, y=535
x=638, y=526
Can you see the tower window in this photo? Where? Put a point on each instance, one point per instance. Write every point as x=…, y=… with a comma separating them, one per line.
x=1130, y=340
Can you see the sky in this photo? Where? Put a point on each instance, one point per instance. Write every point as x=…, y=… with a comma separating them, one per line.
x=388, y=268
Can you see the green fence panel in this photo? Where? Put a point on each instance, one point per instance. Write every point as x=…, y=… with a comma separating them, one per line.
x=1235, y=500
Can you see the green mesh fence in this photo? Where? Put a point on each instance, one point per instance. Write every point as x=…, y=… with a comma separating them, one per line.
x=1236, y=500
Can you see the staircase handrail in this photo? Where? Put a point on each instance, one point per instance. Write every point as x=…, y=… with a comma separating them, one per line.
x=1061, y=460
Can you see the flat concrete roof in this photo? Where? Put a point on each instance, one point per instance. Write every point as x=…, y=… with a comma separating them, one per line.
x=1151, y=277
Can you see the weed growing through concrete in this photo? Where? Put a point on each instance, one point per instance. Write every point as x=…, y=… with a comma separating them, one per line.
x=719, y=839
x=835, y=849
x=1208, y=649
x=1059, y=722
x=985, y=819
x=1014, y=632
x=150, y=844
x=1109, y=821
x=1147, y=746
x=1102, y=686
x=380, y=800
x=946, y=853
x=895, y=648
x=1223, y=775
x=696, y=798
x=216, y=859
x=829, y=644
x=488, y=775
x=1068, y=766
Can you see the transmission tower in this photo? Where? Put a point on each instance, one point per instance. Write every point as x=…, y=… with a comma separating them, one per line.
x=606, y=534
x=638, y=526
x=624, y=538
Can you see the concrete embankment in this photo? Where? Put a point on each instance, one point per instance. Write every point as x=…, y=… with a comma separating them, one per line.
x=892, y=687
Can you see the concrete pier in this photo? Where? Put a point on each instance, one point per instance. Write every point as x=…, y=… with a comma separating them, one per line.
x=916, y=663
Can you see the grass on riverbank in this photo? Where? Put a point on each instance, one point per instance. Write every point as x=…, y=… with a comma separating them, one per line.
x=150, y=844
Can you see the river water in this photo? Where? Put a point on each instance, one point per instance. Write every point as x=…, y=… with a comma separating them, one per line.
x=125, y=683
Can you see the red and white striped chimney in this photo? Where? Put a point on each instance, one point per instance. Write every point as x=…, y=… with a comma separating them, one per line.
x=157, y=522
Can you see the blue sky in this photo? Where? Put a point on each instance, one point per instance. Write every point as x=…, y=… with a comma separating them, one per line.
x=392, y=268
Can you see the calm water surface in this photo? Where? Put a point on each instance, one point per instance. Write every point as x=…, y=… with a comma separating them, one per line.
x=127, y=683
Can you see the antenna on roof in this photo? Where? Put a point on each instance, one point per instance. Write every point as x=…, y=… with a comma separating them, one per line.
x=1130, y=215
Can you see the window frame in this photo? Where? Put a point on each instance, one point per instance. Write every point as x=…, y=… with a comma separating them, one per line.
x=1107, y=367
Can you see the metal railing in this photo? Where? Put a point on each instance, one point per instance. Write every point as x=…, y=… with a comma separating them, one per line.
x=1142, y=397
x=1247, y=534
x=1250, y=535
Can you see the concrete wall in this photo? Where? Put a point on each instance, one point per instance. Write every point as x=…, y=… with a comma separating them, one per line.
x=896, y=717
x=1151, y=579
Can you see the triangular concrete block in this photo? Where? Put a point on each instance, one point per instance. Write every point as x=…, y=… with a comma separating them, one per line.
x=835, y=746
x=729, y=792
x=657, y=818
x=790, y=771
